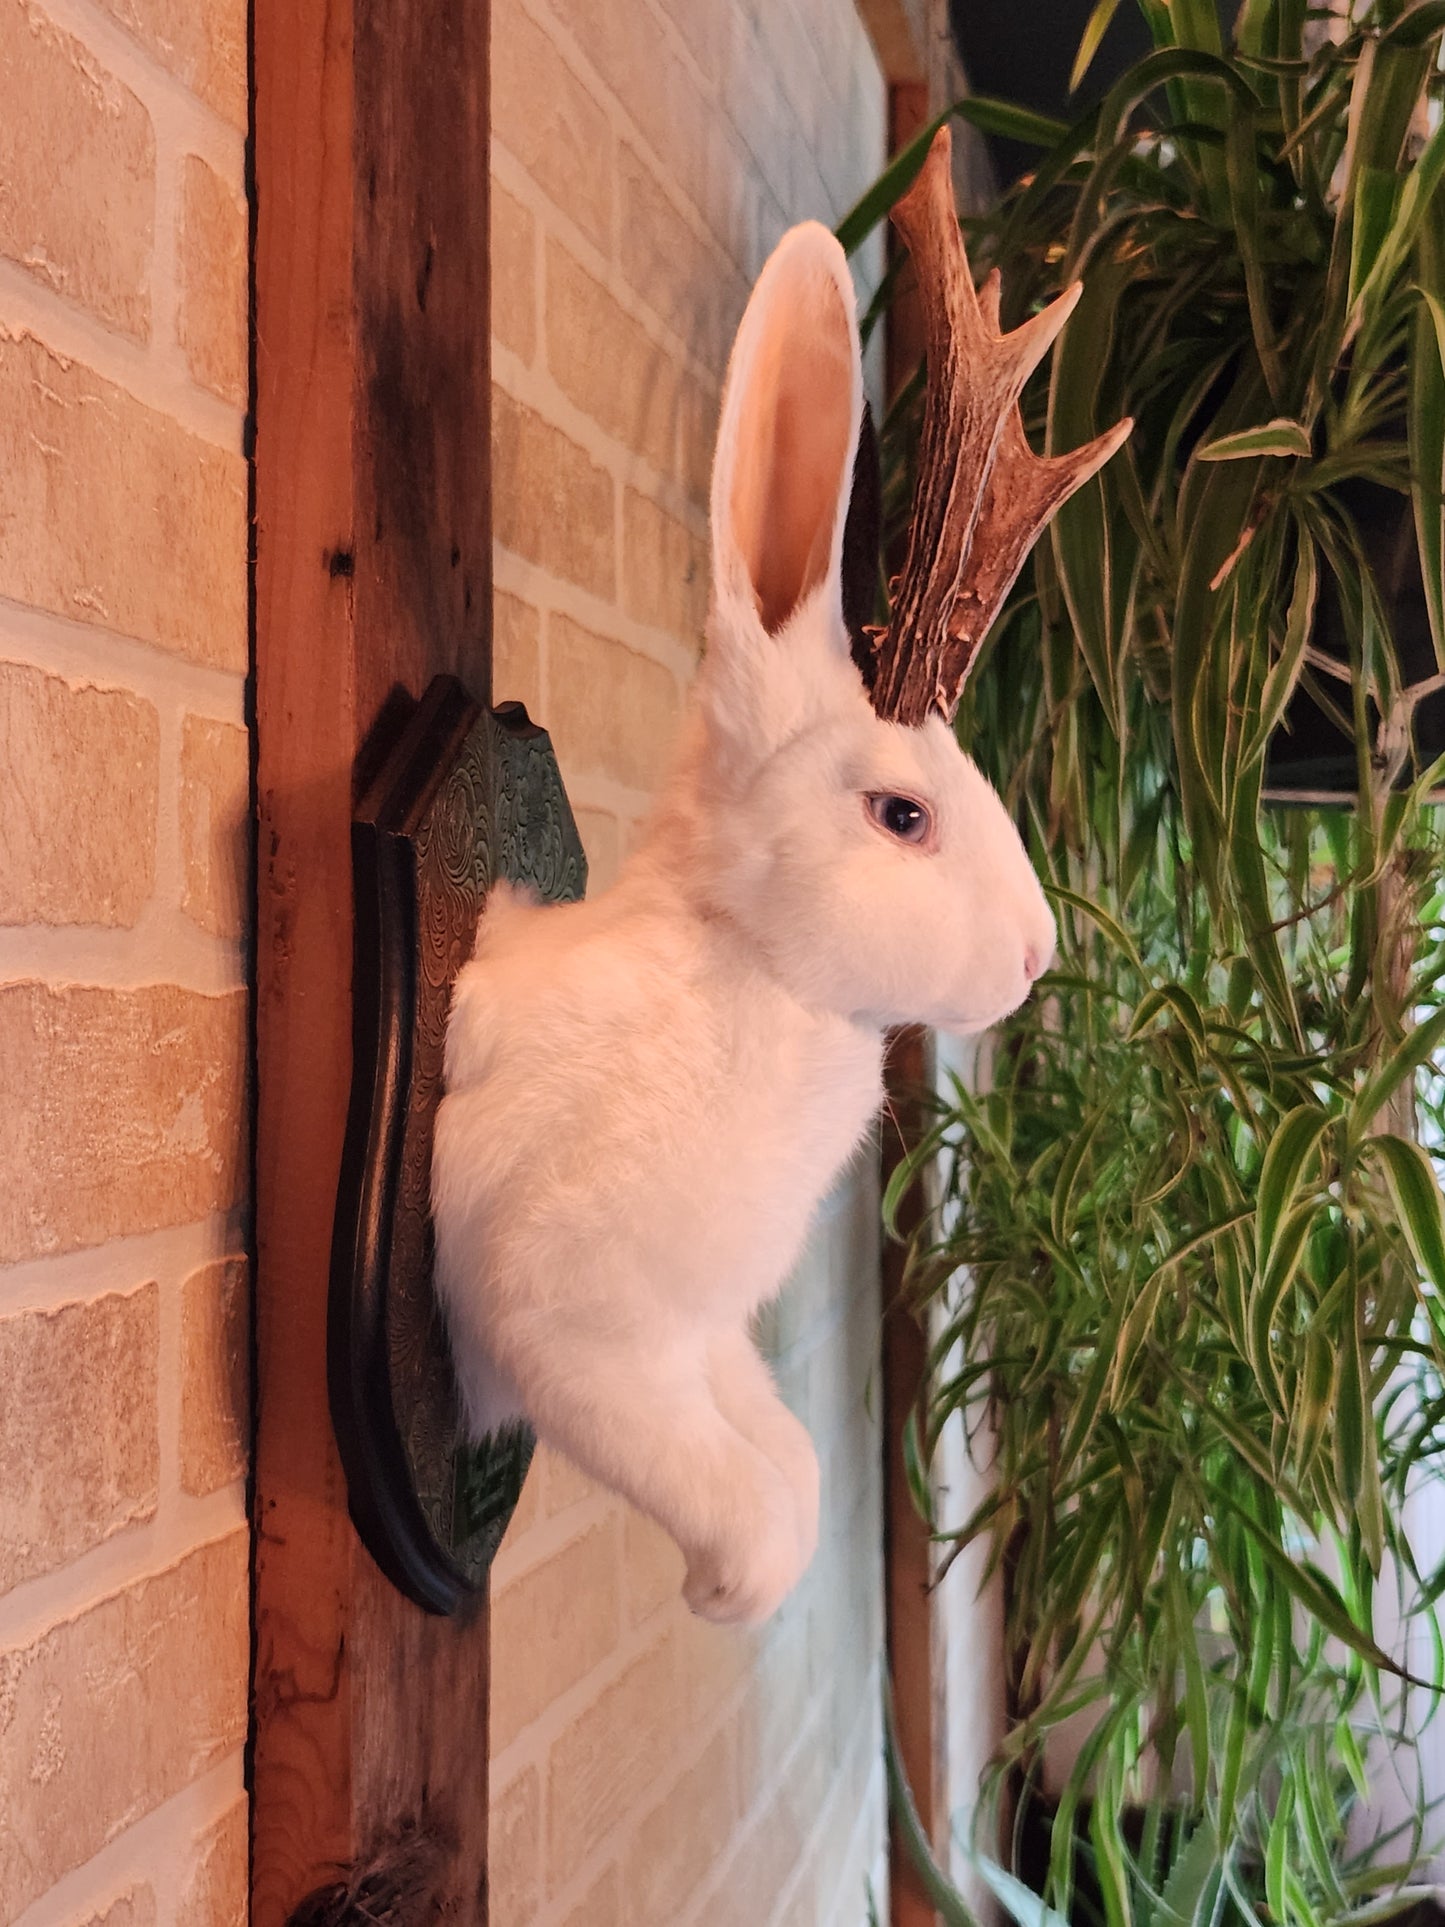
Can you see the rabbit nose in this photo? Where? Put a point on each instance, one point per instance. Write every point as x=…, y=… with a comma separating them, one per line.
x=1036, y=956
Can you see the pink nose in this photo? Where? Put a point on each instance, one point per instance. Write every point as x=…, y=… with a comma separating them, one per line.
x=1034, y=961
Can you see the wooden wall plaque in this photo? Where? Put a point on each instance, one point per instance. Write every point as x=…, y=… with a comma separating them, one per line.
x=468, y=796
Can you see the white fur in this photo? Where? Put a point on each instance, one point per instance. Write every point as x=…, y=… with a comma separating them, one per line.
x=648, y=1093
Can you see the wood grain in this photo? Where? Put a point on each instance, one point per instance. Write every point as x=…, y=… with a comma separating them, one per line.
x=372, y=573
x=914, y=1624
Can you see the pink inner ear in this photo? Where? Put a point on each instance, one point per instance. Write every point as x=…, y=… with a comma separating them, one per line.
x=791, y=467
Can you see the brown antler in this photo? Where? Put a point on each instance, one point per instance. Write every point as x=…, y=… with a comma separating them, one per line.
x=982, y=495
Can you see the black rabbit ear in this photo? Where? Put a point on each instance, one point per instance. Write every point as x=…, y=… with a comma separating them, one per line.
x=862, y=584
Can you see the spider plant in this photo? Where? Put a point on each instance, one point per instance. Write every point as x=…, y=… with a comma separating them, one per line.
x=1188, y=1244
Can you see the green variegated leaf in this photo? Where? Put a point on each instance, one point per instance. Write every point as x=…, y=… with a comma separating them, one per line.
x=1415, y=24
x=1416, y=1194
x=1290, y=1151
x=1314, y=1401
x=1190, y=1894
x=1019, y=1902
x=1427, y=444
x=1416, y=201
x=1278, y=437
x=1399, y=1070
x=1319, y=1596
x=1095, y=28
x=1276, y=1275
x=989, y=116
x=1277, y=1846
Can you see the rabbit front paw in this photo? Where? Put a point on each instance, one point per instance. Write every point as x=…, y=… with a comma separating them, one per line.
x=745, y=1578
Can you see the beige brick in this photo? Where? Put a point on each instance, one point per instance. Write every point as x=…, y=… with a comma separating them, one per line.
x=768, y=1852
x=528, y=1510
x=686, y=281
x=545, y=116
x=120, y=1111
x=775, y=1704
x=213, y=269
x=734, y=196
x=563, y=1484
x=514, y=1852
x=202, y=42
x=664, y=570
x=80, y=1449
x=216, y=825
x=550, y=501
x=650, y=81
x=843, y=1598
x=848, y=1461
x=608, y=708
x=712, y=1662
x=215, y=1892
x=806, y=1299
x=789, y=52
x=601, y=835
x=843, y=1374
x=603, y=1763
x=652, y=1568
x=514, y=274
x=77, y=172
x=516, y=653
x=609, y=366
x=79, y=781
x=215, y=1375
x=858, y=1759
x=677, y=1845
x=107, y=1715
x=701, y=24
x=700, y=405
x=768, y=123
x=114, y=514
x=137, y=1908
x=801, y=1898
x=550, y=1627
x=602, y=1906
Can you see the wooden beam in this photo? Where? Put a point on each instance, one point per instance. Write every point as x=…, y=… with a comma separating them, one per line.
x=899, y=30
x=914, y=1626
x=373, y=571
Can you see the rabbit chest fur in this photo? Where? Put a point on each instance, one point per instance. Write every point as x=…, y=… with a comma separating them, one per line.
x=642, y=1117
x=645, y=1140
x=648, y=1094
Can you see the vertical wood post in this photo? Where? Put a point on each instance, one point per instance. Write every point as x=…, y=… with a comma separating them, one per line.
x=373, y=572
x=915, y=1628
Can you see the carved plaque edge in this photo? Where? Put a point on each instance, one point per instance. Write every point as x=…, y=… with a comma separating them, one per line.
x=468, y=796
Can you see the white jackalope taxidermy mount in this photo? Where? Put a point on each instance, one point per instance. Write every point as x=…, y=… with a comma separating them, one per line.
x=648, y=1094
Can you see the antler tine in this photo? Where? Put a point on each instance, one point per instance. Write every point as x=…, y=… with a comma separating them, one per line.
x=982, y=495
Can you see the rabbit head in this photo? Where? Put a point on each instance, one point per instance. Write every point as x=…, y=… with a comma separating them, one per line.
x=863, y=853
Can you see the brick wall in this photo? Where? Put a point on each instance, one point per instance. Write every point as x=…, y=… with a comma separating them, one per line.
x=650, y=1770
x=123, y=805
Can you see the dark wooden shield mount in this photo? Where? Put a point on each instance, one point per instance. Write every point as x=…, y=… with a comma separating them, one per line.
x=467, y=796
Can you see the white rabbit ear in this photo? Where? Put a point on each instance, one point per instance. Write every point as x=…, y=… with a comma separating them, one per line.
x=785, y=446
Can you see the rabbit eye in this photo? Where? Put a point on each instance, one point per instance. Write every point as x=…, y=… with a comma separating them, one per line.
x=900, y=816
